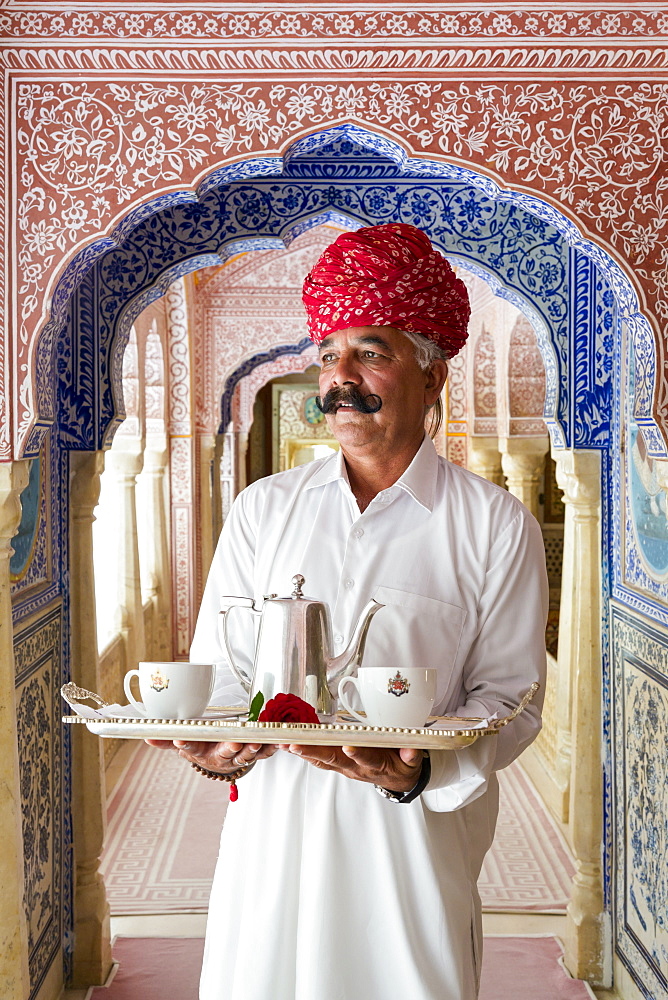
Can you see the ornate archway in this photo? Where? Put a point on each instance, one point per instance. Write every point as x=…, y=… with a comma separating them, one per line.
x=574, y=294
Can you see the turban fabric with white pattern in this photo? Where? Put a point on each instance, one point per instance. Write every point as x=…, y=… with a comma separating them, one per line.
x=387, y=275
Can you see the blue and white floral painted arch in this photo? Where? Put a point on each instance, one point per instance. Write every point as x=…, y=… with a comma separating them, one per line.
x=573, y=292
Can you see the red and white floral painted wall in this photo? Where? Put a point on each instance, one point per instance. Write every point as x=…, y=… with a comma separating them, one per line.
x=109, y=108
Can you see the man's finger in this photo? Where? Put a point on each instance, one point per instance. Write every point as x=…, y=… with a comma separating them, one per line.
x=322, y=755
x=380, y=760
x=367, y=757
x=411, y=756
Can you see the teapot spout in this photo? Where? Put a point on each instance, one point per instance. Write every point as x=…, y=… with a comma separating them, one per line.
x=349, y=660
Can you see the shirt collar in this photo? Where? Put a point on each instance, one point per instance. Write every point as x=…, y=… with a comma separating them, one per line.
x=419, y=479
x=332, y=468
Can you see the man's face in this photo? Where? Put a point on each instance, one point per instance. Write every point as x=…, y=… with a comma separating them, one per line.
x=378, y=361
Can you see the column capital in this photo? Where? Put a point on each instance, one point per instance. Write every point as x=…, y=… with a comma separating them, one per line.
x=529, y=448
x=578, y=474
x=156, y=452
x=86, y=467
x=484, y=457
x=522, y=461
x=127, y=461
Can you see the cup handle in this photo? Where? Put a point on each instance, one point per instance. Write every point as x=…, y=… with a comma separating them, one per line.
x=127, y=681
x=344, y=700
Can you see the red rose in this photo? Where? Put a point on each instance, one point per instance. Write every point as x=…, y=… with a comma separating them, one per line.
x=288, y=708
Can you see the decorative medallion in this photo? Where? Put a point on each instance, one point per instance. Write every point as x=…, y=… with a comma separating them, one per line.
x=158, y=681
x=398, y=685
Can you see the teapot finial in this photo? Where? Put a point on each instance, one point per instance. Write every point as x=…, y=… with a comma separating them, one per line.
x=299, y=582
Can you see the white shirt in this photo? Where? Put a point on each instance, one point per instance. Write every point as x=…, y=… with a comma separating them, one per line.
x=460, y=565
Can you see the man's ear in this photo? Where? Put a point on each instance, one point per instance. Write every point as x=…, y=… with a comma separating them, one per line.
x=436, y=376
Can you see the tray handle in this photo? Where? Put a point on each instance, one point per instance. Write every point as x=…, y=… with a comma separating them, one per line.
x=500, y=723
x=74, y=695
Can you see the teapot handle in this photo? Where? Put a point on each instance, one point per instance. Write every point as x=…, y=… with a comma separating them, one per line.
x=236, y=602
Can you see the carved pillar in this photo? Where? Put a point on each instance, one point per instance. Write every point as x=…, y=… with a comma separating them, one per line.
x=217, y=486
x=241, y=446
x=125, y=461
x=208, y=537
x=578, y=475
x=14, y=977
x=157, y=532
x=484, y=458
x=92, y=939
x=567, y=482
x=523, y=461
x=182, y=465
x=228, y=466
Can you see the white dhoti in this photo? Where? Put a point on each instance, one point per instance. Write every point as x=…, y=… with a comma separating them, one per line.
x=326, y=891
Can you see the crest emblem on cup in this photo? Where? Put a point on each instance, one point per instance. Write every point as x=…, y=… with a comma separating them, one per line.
x=158, y=682
x=398, y=685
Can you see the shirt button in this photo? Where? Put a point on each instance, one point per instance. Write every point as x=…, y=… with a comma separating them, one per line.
x=338, y=639
x=349, y=584
x=358, y=532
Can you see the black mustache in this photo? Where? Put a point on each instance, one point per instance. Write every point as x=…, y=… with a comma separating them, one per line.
x=351, y=395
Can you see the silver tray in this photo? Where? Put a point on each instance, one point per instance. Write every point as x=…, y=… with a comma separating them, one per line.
x=231, y=727
x=327, y=734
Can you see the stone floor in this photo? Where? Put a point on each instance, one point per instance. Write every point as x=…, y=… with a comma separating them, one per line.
x=193, y=924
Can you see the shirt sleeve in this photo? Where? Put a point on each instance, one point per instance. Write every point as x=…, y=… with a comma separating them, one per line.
x=231, y=574
x=506, y=657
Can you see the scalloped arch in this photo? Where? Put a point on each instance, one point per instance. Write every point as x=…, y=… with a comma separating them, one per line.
x=523, y=247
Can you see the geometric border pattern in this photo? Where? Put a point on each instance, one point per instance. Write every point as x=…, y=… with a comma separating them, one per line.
x=38, y=652
x=640, y=801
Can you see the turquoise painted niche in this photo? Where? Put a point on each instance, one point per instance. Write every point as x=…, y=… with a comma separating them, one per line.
x=648, y=505
x=23, y=541
x=647, y=501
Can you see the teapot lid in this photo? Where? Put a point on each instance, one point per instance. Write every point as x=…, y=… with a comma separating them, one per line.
x=297, y=594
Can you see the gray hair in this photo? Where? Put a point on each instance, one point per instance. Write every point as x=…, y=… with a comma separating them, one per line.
x=426, y=350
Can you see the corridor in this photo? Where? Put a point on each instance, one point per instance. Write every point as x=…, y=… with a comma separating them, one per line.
x=169, y=177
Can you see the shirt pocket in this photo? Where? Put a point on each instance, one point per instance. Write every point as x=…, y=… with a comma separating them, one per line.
x=415, y=631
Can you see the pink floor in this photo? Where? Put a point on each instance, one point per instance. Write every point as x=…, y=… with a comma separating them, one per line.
x=514, y=968
x=154, y=862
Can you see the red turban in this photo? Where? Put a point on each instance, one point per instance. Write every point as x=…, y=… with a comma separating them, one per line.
x=387, y=275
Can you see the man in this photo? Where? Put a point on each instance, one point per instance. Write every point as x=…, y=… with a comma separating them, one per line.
x=325, y=890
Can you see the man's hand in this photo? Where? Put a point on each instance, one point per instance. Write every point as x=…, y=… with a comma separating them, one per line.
x=221, y=758
x=396, y=770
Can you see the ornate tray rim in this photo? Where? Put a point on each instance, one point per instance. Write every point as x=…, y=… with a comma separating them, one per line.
x=325, y=734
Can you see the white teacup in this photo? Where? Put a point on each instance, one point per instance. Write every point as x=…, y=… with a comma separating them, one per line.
x=399, y=697
x=171, y=690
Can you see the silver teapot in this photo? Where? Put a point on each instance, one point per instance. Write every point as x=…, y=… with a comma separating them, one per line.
x=293, y=654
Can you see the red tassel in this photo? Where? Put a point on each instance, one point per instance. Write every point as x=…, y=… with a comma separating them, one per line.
x=234, y=791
